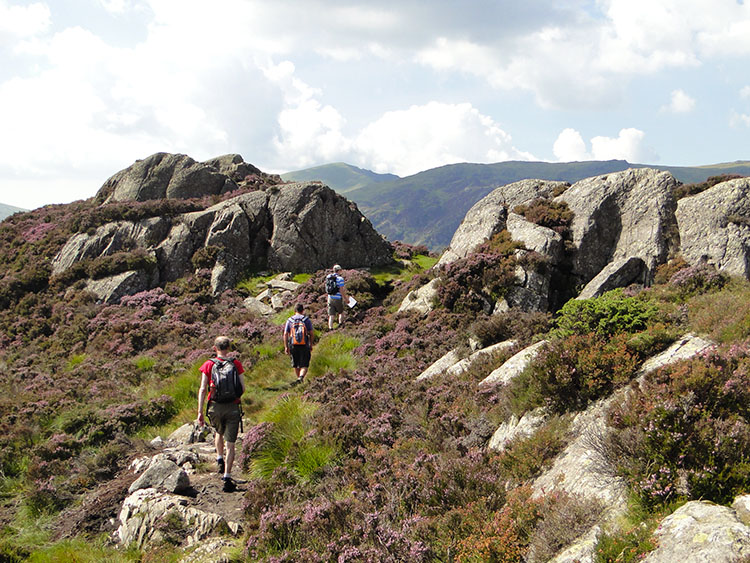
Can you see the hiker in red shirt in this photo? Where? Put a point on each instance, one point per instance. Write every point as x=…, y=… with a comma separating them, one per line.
x=222, y=382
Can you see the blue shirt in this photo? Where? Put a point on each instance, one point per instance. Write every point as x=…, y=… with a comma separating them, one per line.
x=340, y=283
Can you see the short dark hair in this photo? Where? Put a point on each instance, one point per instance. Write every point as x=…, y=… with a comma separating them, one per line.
x=299, y=308
x=222, y=343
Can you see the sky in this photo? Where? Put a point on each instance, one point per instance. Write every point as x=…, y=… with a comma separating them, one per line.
x=87, y=87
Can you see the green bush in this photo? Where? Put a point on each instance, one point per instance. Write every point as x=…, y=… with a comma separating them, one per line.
x=609, y=314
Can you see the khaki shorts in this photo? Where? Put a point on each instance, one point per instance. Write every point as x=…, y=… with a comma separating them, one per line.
x=225, y=418
x=335, y=306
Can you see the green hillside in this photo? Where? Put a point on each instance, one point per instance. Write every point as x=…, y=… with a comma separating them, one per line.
x=340, y=176
x=8, y=210
x=427, y=208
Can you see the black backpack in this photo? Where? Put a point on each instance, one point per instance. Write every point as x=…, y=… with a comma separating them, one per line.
x=225, y=381
x=332, y=284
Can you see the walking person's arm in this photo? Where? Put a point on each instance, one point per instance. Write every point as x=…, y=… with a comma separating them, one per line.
x=202, y=397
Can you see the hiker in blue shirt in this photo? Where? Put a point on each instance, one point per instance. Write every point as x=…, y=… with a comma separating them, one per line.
x=298, y=341
x=336, y=296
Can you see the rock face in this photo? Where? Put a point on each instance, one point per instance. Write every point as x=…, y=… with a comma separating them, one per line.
x=624, y=225
x=164, y=175
x=619, y=273
x=421, y=300
x=488, y=216
x=299, y=227
x=714, y=227
x=622, y=215
x=701, y=531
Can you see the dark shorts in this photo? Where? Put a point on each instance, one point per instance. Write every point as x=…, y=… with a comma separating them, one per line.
x=300, y=357
x=225, y=419
x=335, y=306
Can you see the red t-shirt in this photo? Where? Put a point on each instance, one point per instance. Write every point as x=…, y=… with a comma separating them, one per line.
x=208, y=365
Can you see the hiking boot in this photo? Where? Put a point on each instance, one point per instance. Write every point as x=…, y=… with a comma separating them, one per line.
x=229, y=485
x=220, y=463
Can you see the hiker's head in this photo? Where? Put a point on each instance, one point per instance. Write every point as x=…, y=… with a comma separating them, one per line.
x=299, y=308
x=336, y=268
x=222, y=343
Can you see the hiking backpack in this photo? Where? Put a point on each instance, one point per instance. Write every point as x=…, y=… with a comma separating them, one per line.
x=225, y=381
x=332, y=284
x=299, y=336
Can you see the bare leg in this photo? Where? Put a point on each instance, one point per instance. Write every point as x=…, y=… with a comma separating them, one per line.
x=230, y=458
x=219, y=443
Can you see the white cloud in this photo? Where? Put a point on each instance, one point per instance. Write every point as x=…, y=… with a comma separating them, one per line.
x=628, y=145
x=680, y=102
x=739, y=119
x=408, y=141
x=23, y=21
x=745, y=92
x=570, y=147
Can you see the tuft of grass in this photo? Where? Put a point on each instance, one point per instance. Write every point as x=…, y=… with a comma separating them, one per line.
x=332, y=354
x=291, y=443
x=144, y=363
x=75, y=360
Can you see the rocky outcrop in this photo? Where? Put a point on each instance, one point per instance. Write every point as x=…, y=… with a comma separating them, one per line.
x=145, y=512
x=620, y=216
x=516, y=428
x=422, y=299
x=536, y=238
x=619, y=273
x=715, y=227
x=164, y=475
x=513, y=367
x=164, y=175
x=489, y=215
x=154, y=510
x=293, y=227
x=113, y=288
x=701, y=531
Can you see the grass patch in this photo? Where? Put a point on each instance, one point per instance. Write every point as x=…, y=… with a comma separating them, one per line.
x=290, y=443
x=333, y=353
x=80, y=551
x=254, y=284
x=385, y=275
x=75, y=360
x=724, y=315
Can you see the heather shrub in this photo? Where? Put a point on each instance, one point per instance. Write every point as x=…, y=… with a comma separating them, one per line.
x=525, y=458
x=572, y=372
x=684, y=190
x=564, y=518
x=693, y=280
x=505, y=537
x=548, y=213
x=609, y=314
x=513, y=324
x=664, y=272
x=684, y=432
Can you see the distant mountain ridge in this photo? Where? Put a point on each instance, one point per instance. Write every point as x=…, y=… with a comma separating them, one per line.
x=426, y=208
x=8, y=210
x=340, y=176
